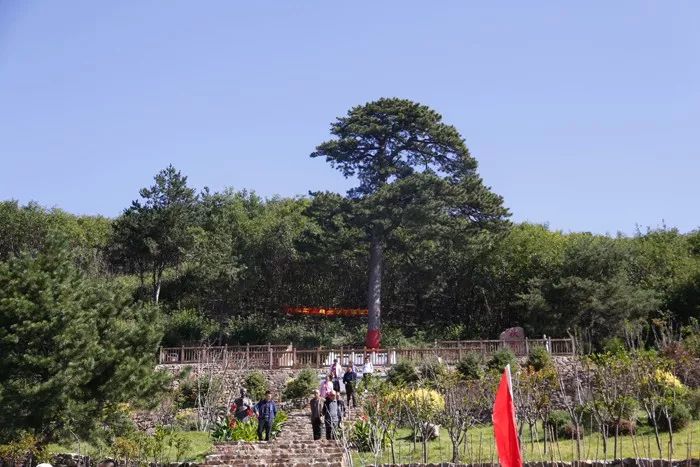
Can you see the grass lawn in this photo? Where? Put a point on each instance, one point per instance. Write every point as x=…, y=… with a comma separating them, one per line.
x=201, y=445
x=480, y=447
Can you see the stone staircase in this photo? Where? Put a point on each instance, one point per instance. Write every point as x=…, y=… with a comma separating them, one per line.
x=294, y=447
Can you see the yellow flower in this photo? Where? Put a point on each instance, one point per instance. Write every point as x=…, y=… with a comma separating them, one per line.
x=421, y=398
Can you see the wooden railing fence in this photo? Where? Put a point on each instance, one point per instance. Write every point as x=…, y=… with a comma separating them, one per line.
x=287, y=356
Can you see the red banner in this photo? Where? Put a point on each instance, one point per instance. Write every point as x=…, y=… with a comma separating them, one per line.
x=505, y=429
x=312, y=311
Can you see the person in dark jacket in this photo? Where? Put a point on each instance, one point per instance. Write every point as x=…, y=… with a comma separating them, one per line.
x=332, y=415
x=349, y=379
x=266, y=411
x=316, y=404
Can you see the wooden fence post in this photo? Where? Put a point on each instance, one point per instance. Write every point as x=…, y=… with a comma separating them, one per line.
x=269, y=351
x=182, y=354
x=247, y=355
x=527, y=347
x=318, y=357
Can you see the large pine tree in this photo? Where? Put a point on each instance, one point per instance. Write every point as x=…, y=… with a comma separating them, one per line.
x=413, y=170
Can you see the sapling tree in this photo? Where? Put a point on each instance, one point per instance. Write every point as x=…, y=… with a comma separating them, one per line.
x=574, y=399
x=651, y=389
x=613, y=390
x=467, y=403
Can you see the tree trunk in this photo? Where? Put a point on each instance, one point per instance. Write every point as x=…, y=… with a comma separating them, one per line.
x=656, y=435
x=374, y=291
x=455, y=451
x=157, y=280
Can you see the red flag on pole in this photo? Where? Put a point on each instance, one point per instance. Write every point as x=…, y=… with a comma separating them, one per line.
x=504, y=428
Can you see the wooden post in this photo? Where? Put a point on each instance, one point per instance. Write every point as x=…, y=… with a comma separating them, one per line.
x=294, y=356
x=459, y=352
x=247, y=354
x=269, y=351
x=318, y=357
x=182, y=354
x=225, y=356
x=527, y=347
x=341, y=356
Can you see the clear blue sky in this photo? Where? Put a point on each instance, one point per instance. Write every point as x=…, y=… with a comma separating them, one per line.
x=585, y=115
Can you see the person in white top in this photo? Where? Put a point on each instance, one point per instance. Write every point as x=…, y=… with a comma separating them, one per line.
x=367, y=370
x=336, y=372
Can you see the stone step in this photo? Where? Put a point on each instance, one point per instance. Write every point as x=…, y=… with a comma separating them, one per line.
x=294, y=447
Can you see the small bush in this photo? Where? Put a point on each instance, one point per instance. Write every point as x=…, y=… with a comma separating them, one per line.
x=692, y=345
x=694, y=403
x=500, y=359
x=680, y=417
x=230, y=429
x=560, y=421
x=118, y=422
x=186, y=420
x=21, y=449
x=539, y=358
x=471, y=366
x=192, y=388
x=256, y=384
x=186, y=397
x=615, y=346
x=188, y=326
x=624, y=428
x=433, y=370
x=422, y=401
x=361, y=436
x=301, y=386
x=404, y=372
x=557, y=420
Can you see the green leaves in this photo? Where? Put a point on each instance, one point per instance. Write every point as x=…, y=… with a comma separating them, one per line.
x=71, y=347
x=392, y=139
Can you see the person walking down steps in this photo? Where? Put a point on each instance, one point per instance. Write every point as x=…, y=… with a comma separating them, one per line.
x=243, y=407
x=332, y=415
x=316, y=404
x=349, y=379
x=326, y=386
x=266, y=410
x=336, y=372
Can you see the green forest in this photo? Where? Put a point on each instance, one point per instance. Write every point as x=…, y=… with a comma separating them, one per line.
x=452, y=265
